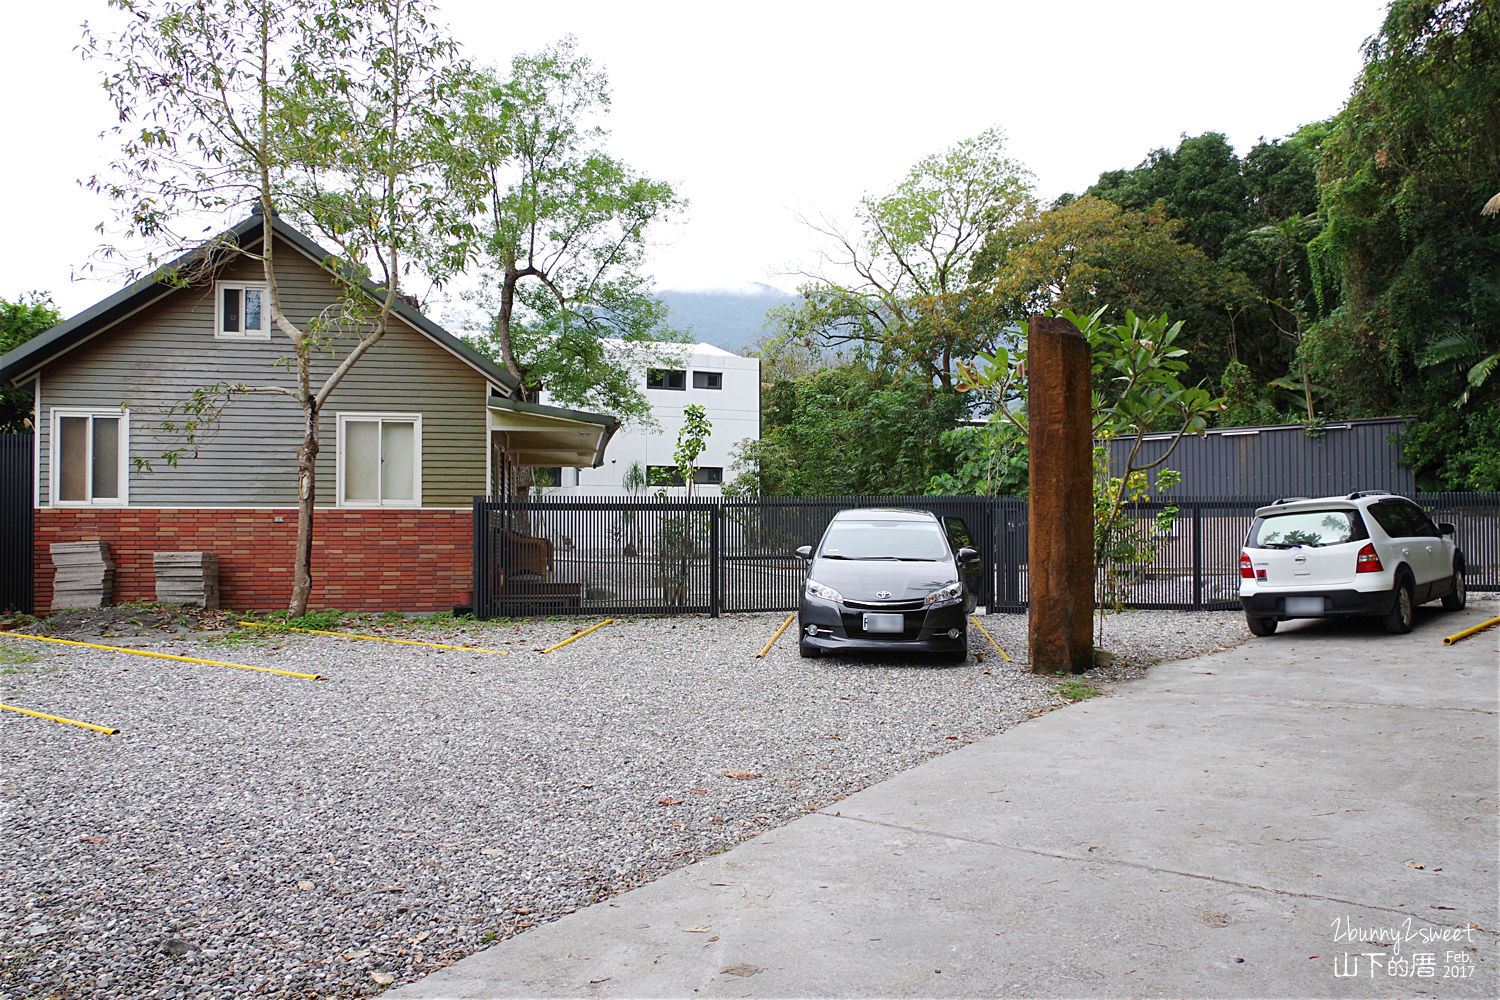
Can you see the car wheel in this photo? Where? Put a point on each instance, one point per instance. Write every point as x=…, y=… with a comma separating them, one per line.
x=1456, y=598
x=1261, y=626
x=1398, y=620
x=808, y=651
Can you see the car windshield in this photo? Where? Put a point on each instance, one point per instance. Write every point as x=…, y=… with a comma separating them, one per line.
x=1305, y=527
x=918, y=541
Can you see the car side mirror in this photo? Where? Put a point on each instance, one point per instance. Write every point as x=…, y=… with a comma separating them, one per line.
x=805, y=551
x=968, y=555
x=1444, y=528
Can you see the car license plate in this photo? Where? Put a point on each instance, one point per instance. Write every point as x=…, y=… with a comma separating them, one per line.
x=885, y=623
x=1304, y=605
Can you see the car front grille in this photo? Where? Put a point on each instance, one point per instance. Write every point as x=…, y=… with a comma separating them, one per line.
x=888, y=607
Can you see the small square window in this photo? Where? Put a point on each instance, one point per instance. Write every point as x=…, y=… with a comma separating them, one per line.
x=242, y=311
x=663, y=475
x=379, y=460
x=666, y=378
x=89, y=456
x=708, y=380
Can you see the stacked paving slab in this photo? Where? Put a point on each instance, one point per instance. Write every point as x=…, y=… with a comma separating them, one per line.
x=83, y=574
x=187, y=578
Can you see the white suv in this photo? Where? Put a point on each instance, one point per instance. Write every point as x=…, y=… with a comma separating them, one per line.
x=1368, y=553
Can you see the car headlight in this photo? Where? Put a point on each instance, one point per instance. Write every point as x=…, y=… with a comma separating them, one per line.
x=948, y=595
x=816, y=589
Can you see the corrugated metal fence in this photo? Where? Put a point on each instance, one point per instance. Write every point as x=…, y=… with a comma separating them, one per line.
x=1285, y=460
x=616, y=555
x=15, y=522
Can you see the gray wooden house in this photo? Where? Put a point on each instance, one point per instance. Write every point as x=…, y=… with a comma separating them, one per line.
x=418, y=428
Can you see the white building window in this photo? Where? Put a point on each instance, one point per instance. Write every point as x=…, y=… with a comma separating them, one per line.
x=242, y=311
x=666, y=378
x=90, y=449
x=380, y=460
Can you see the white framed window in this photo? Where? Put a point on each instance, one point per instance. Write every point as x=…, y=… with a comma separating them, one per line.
x=90, y=457
x=242, y=311
x=380, y=460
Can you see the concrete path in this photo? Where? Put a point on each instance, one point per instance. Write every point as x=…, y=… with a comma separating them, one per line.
x=1308, y=814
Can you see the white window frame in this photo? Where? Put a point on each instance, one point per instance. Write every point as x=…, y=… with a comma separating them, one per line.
x=415, y=419
x=54, y=470
x=264, y=333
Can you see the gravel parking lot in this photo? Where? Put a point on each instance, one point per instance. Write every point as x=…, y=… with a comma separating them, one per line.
x=251, y=834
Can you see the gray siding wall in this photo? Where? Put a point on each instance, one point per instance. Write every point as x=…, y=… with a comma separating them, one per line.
x=1272, y=462
x=158, y=357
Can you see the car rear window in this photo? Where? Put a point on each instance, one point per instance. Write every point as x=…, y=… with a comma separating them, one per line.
x=1306, y=527
x=884, y=540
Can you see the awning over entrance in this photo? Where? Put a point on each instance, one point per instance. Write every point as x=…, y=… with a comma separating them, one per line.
x=535, y=435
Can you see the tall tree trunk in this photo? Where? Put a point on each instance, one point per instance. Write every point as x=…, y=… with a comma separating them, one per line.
x=307, y=459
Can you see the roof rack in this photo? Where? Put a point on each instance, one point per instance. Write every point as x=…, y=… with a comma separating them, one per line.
x=1277, y=503
x=1369, y=493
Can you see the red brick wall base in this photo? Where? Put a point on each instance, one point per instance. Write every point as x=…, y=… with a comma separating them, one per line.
x=367, y=560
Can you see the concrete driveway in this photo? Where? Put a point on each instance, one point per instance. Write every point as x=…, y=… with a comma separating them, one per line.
x=1308, y=814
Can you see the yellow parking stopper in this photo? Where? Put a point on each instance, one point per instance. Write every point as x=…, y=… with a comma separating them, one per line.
x=767, y=647
x=578, y=635
x=57, y=718
x=1470, y=631
x=989, y=637
x=163, y=656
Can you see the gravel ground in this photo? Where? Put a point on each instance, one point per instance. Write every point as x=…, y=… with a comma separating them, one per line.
x=251, y=834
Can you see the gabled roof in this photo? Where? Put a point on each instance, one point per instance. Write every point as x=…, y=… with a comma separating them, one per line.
x=22, y=362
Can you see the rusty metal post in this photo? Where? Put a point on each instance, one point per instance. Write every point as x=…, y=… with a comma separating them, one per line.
x=1060, y=565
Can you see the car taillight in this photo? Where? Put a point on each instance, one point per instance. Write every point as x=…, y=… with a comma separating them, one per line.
x=1368, y=561
x=1247, y=572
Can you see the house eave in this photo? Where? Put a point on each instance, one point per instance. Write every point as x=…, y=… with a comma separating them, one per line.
x=541, y=435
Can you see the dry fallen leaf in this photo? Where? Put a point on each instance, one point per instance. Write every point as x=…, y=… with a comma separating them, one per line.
x=696, y=930
x=1413, y=864
x=741, y=775
x=304, y=885
x=668, y=802
x=383, y=978
x=743, y=969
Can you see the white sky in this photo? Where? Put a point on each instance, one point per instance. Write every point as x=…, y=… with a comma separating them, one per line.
x=761, y=113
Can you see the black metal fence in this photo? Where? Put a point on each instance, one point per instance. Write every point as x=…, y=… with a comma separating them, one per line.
x=714, y=555
x=15, y=522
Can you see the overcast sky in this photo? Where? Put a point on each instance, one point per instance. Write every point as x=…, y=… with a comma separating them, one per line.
x=763, y=113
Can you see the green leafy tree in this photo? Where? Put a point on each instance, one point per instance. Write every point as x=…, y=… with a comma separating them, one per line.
x=1091, y=254
x=1405, y=250
x=1200, y=183
x=680, y=537
x=558, y=228
x=29, y=315
x=991, y=459
x=902, y=287
x=858, y=428
x=324, y=111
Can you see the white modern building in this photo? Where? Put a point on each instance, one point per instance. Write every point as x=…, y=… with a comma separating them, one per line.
x=726, y=385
